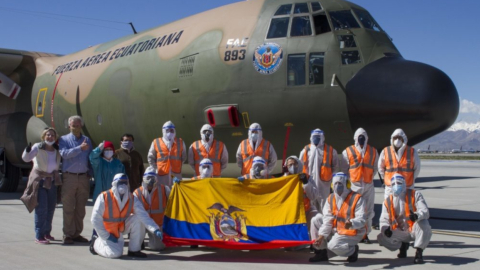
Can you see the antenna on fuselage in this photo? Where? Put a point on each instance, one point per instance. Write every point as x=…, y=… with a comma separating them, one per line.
x=133, y=28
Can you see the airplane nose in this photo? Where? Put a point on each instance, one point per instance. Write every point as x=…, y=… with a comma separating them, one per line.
x=393, y=93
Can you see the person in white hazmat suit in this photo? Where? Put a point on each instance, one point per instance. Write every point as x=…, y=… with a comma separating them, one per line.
x=167, y=154
x=258, y=170
x=343, y=220
x=150, y=204
x=112, y=217
x=255, y=146
x=360, y=163
x=210, y=148
x=205, y=169
x=319, y=162
x=398, y=158
x=404, y=218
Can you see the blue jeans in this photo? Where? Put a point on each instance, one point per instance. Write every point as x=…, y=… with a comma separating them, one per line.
x=47, y=200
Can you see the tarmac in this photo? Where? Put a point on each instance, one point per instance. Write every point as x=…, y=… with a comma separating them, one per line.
x=451, y=189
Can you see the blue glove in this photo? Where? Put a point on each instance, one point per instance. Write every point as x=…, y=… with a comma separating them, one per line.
x=241, y=179
x=158, y=234
x=176, y=180
x=112, y=238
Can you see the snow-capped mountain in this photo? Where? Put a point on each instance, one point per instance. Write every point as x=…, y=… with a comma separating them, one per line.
x=469, y=127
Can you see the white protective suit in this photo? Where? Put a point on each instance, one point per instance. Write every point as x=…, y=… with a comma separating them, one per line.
x=207, y=172
x=272, y=158
x=421, y=230
x=342, y=245
x=366, y=190
x=148, y=225
x=398, y=156
x=207, y=145
x=107, y=248
x=152, y=154
x=315, y=159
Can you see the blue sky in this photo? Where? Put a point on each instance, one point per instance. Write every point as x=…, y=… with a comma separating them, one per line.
x=441, y=33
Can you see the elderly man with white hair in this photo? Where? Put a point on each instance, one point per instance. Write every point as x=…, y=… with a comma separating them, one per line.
x=404, y=218
x=167, y=155
x=112, y=217
x=399, y=158
x=75, y=149
x=343, y=221
x=210, y=148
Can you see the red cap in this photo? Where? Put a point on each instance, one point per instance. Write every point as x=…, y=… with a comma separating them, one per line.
x=108, y=144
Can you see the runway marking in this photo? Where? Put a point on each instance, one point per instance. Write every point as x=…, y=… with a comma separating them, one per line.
x=456, y=234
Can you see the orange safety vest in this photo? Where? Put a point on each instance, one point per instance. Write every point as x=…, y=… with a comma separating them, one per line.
x=347, y=211
x=327, y=163
x=113, y=218
x=215, y=155
x=361, y=167
x=157, y=209
x=197, y=178
x=169, y=159
x=409, y=208
x=404, y=167
x=263, y=150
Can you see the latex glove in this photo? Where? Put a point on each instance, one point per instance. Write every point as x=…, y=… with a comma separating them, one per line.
x=112, y=238
x=101, y=145
x=28, y=148
x=158, y=234
x=388, y=233
x=413, y=217
x=303, y=178
x=241, y=179
x=176, y=180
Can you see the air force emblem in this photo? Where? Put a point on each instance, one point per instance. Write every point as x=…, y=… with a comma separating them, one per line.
x=267, y=58
x=227, y=227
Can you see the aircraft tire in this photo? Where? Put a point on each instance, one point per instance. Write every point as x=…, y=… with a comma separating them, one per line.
x=10, y=178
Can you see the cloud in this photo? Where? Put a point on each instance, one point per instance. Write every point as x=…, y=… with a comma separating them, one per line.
x=467, y=106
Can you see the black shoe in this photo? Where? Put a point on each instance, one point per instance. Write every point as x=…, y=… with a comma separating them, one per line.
x=137, y=254
x=320, y=256
x=67, y=240
x=92, y=242
x=354, y=257
x=403, y=250
x=419, y=257
x=80, y=239
x=365, y=240
x=193, y=246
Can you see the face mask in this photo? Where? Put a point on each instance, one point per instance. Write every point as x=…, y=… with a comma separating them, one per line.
x=122, y=189
x=205, y=172
x=50, y=143
x=206, y=137
x=254, y=137
x=76, y=131
x=316, y=140
x=361, y=140
x=397, y=143
x=259, y=171
x=127, y=145
x=170, y=136
x=397, y=190
x=108, y=153
x=292, y=169
x=339, y=189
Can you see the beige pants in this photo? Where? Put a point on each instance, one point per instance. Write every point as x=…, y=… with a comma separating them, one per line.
x=75, y=193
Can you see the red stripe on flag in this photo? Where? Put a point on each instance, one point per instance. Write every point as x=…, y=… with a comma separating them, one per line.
x=173, y=241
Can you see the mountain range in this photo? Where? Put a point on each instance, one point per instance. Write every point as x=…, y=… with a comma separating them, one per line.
x=462, y=134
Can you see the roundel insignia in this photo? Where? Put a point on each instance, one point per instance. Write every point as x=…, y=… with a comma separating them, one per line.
x=267, y=58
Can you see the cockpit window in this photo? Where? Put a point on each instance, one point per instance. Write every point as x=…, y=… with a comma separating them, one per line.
x=301, y=8
x=278, y=28
x=367, y=20
x=296, y=69
x=316, y=6
x=316, y=68
x=350, y=57
x=343, y=19
x=301, y=26
x=284, y=10
x=346, y=41
x=321, y=24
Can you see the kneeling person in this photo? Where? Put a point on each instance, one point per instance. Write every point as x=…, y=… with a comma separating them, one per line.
x=150, y=204
x=344, y=220
x=112, y=217
x=404, y=218
x=205, y=168
x=258, y=171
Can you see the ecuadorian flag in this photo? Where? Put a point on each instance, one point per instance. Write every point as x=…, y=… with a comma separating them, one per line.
x=222, y=212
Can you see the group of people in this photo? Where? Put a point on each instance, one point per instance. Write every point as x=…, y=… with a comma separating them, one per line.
x=338, y=193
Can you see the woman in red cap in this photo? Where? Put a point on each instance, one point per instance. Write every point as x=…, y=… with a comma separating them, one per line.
x=105, y=166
